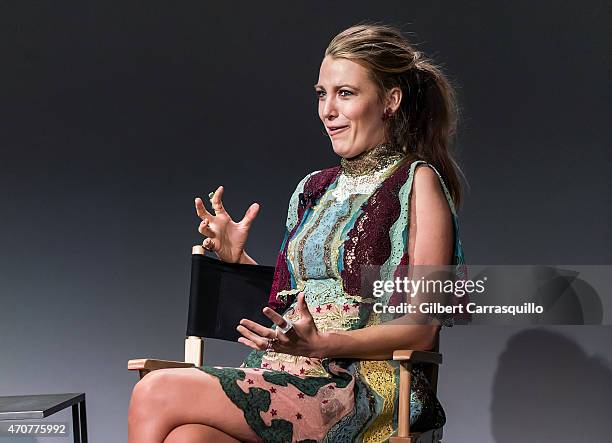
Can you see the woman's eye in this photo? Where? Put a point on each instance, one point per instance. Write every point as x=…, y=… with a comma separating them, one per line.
x=342, y=92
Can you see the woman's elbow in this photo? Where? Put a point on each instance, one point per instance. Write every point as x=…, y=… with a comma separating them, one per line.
x=427, y=337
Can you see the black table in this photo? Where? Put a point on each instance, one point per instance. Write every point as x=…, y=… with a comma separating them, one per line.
x=24, y=407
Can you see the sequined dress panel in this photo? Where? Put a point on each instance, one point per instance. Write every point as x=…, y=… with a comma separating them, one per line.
x=336, y=222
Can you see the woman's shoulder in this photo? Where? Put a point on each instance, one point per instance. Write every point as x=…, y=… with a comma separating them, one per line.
x=427, y=178
x=316, y=182
x=321, y=175
x=309, y=188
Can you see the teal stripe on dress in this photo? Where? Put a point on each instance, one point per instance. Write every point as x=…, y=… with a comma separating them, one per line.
x=305, y=217
x=313, y=261
x=292, y=216
x=292, y=213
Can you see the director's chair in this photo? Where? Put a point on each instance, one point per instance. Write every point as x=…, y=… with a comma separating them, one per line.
x=221, y=294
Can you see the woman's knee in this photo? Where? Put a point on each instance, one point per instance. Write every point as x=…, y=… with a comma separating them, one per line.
x=167, y=392
x=150, y=392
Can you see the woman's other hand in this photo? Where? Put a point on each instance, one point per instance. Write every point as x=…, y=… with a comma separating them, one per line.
x=225, y=237
x=302, y=339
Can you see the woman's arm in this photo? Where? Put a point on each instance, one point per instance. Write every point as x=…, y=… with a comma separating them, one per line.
x=430, y=243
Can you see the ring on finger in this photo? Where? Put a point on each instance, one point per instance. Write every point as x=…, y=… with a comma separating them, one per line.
x=287, y=327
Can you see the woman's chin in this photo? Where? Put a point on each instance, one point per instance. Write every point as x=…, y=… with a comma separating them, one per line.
x=341, y=151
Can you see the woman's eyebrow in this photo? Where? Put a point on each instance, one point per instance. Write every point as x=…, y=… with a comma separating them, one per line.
x=338, y=87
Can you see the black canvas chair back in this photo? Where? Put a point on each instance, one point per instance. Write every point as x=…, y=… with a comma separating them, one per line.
x=221, y=294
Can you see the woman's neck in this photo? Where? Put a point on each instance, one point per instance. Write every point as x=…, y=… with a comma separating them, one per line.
x=375, y=159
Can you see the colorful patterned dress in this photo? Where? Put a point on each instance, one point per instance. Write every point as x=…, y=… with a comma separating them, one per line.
x=336, y=222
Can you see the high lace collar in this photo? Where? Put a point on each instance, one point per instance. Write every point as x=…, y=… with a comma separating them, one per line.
x=375, y=159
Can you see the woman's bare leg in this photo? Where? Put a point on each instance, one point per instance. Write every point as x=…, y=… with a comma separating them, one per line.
x=168, y=398
x=195, y=433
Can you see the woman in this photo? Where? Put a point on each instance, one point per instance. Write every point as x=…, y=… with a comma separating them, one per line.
x=324, y=370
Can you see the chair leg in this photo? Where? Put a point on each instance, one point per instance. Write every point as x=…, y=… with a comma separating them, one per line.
x=431, y=436
x=403, y=427
x=401, y=440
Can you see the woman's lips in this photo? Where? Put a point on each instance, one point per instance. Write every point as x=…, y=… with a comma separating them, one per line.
x=337, y=130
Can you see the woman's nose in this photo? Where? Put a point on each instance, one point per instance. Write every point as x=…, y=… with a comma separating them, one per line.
x=329, y=108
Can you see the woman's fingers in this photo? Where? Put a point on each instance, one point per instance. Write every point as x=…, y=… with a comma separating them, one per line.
x=303, y=307
x=278, y=319
x=257, y=339
x=249, y=343
x=260, y=330
x=201, y=210
x=205, y=228
x=250, y=215
x=216, y=202
x=209, y=244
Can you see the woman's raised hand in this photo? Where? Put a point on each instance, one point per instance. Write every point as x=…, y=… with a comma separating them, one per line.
x=224, y=236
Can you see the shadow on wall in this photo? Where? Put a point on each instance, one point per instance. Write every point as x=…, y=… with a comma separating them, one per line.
x=546, y=389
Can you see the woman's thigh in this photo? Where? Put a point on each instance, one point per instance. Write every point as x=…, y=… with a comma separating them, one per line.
x=197, y=433
x=178, y=396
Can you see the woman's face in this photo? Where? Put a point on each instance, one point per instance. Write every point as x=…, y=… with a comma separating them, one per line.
x=348, y=101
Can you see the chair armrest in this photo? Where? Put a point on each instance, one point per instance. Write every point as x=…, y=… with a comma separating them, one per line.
x=151, y=364
x=411, y=356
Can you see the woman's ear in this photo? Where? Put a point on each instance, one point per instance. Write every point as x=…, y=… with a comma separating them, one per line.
x=394, y=98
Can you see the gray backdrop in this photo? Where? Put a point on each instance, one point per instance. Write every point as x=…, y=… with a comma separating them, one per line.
x=115, y=115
